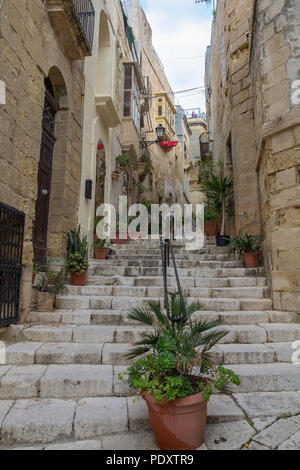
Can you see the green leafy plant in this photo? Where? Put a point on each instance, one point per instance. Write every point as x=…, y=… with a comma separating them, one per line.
x=123, y=161
x=174, y=359
x=77, y=264
x=217, y=190
x=244, y=243
x=77, y=243
x=210, y=214
x=50, y=281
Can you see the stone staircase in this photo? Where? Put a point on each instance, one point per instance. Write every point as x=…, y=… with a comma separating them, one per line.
x=59, y=388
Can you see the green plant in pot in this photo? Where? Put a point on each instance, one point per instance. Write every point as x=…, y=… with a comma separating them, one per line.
x=77, y=262
x=49, y=285
x=122, y=162
x=211, y=222
x=101, y=248
x=247, y=246
x=77, y=265
x=175, y=373
x=217, y=189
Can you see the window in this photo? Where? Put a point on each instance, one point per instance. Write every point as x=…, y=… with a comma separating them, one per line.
x=160, y=110
x=131, y=96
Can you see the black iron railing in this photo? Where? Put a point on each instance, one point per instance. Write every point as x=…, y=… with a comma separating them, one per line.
x=167, y=250
x=11, y=249
x=86, y=16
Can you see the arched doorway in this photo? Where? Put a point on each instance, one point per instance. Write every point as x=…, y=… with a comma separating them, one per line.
x=40, y=229
x=54, y=123
x=100, y=175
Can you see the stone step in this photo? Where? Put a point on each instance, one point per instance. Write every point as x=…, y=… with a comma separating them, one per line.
x=157, y=281
x=139, y=291
x=129, y=333
x=130, y=271
x=59, y=421
x=123, y=423
x=119, y=317
x=80, y=302
x=267, y=377
x=152, y=263
x=276, y=377
x=179, y=257
x=27, y=353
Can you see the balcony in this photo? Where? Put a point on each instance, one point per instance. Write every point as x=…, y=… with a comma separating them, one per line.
x=73, y=21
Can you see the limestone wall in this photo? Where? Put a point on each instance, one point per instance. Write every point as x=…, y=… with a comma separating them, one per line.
x=29, y=49
x=252, y=66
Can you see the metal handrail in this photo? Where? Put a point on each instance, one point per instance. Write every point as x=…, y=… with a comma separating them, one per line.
x=167, y=248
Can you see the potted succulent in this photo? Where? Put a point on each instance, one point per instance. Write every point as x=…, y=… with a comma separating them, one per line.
x=248, y=247
x=49, y=285
x=174, y=372
x=211, y=225
x=77, y=265
x=77, y=261
x=101, y=248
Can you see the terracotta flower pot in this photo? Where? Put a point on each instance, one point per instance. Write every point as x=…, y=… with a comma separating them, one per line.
x=252, y=260
x=211, y=228
x=180, y=424
x=45, y=302
x=78, y=280
x=101, y=253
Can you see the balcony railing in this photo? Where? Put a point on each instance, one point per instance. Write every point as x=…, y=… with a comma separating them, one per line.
x=86, y=15
x=73, y=22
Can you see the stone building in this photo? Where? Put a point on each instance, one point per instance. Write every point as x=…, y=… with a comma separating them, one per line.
x=253, y=110
x=112, y=117
x=42, y=47
x=184, y=134
x=163, y=182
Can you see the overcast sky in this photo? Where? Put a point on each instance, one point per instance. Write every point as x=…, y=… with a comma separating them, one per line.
x=181, y=34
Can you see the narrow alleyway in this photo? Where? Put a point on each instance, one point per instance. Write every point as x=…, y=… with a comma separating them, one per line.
x=61, y=388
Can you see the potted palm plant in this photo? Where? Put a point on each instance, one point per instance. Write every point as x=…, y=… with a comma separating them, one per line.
x=49, y=285
x=77, y=262
x=247, y=246
x=217, y=190
x=174, y=372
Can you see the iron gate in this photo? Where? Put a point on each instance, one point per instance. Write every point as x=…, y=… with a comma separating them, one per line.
x=11, y=249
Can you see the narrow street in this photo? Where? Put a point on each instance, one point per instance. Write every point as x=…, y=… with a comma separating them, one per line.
x=149, y=225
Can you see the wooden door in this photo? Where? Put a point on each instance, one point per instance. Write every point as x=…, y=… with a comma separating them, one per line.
x=40, y=230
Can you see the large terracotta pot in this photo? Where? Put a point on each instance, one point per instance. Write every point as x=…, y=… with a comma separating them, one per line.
x=45, y=302
x=78, y=280
x=211, y=228
x=179, y=424
x=252, y=260
x=101, y=253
